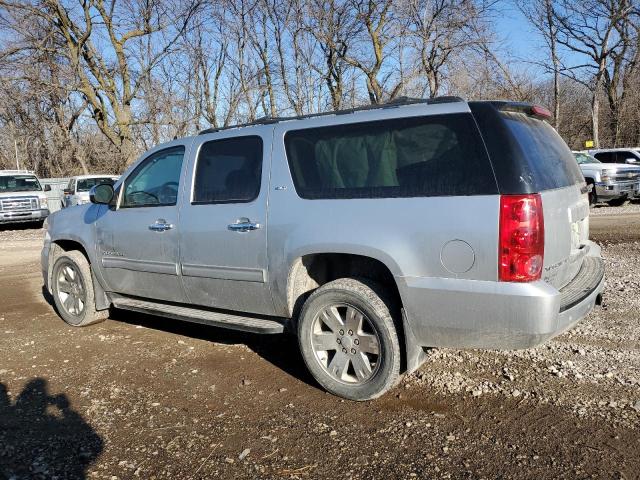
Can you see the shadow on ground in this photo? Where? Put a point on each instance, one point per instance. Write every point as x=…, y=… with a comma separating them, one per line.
x=41, y=436
x=5, y=227
x=280, y=350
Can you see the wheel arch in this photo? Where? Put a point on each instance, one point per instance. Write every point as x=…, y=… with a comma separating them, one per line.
x=61, y=245
x=310, y=271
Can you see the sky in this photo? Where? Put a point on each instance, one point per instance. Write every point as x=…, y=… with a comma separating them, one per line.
x=519, y=36
x=523, y=41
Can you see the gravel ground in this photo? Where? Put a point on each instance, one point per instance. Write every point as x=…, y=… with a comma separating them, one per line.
x=145, y=397
x=593, y=370
x=628, y=208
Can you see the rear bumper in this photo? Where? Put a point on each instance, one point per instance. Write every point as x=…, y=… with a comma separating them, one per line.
x=478, y=314
x=24, y=216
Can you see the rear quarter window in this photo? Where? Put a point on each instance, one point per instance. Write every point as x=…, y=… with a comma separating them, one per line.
x=550, y=163
x=439, y=155
x=527, y=154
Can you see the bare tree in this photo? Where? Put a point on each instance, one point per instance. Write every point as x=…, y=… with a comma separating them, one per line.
x=541, y=15
x=441, y=30
x=590, y=28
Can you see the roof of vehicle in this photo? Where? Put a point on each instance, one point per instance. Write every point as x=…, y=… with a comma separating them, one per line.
x=398, y=102
x=16, y=172
x=106, y=175
x=617, y=149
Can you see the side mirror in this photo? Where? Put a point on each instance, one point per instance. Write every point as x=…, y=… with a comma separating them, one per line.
x=631, y=160
x=66, y=191
x=47, y=188
x=101, y=194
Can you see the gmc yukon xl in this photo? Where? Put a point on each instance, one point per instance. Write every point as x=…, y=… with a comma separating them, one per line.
x=370, y=233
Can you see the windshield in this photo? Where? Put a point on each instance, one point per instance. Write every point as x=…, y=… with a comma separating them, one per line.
x=19, y=183
x=85, y=184
x=584, y=158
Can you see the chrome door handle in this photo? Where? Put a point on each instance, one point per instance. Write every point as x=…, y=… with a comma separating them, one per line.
x=243, y=226
x=160, y=225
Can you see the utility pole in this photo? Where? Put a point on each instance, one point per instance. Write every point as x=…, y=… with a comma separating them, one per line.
x=15, y=142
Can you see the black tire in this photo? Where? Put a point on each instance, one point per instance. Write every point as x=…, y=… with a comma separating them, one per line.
x=369, y=300
x=85, y=313
x=618, y=202
x=593, y=196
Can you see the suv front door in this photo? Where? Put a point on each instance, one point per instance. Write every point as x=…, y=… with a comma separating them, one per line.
x=223, y=245
x=137, y=237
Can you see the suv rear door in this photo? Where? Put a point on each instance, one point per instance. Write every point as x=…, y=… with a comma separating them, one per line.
x=223, y=246
x=529, y=156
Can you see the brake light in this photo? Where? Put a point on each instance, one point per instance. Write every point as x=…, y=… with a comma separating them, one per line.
x=540, y=112
x=521, y=249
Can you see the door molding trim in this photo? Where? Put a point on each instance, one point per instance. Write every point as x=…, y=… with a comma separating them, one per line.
x=166, y=268
x=224, y=273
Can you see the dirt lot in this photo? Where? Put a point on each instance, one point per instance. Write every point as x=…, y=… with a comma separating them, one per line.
x=145, y=397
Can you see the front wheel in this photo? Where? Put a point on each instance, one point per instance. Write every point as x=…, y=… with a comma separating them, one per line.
x=618, y=202
x=348, y=339
x=593, y=197
x=72, y=289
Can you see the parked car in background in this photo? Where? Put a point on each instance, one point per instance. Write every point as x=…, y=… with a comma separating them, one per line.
x=616, y=155
x=613, y=183
x=22, y=197
x=431, y=223
x=77, y=190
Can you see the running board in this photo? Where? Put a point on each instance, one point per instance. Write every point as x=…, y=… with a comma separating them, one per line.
x=197, y=315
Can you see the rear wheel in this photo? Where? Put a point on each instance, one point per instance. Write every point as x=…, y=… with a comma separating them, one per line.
x=348, y=339
x=72, y=288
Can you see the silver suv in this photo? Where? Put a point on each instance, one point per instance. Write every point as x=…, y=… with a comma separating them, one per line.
x=371, y=234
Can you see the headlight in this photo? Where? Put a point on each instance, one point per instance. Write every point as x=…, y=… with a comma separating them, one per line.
x=44, y=203
x=605, y=175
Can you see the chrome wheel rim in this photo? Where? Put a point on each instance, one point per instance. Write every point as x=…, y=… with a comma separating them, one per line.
x=72, y=295
x=345, y=344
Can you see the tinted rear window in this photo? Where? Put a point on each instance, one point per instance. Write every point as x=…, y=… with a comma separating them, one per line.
x=228, y=171
x=439, y=155
x=606, y=157
x=550, y=163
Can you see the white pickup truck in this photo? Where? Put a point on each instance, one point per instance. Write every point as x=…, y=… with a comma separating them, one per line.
x=22, y=198
x=614, y=183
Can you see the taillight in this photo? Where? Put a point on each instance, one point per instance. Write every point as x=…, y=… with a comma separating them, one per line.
x=521, y=249
x=540, y=112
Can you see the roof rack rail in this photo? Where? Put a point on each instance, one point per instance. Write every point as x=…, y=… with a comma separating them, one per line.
x=396, y=102
x=16, y=172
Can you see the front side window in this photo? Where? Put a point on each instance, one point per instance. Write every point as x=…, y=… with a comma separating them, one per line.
x=626, y=157
x=439, y=155
x=155, y=181
x=228, y=171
